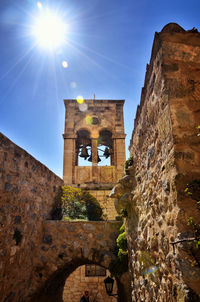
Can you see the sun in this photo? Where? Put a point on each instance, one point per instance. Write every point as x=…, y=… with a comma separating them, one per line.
x=49, y=30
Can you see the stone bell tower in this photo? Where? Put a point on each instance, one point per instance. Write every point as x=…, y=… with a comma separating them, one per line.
x=94, y=134
x=94, y=131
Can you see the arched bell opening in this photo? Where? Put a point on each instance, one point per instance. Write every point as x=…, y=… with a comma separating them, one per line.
x=83, y=148
x=105, y=148
x=100, y=145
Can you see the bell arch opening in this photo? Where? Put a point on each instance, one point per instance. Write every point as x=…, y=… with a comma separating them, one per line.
x=101, y=160
x=83, y=148
x=105, y=147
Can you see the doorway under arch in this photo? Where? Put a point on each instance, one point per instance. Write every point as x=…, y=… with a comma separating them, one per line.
x=88, y=277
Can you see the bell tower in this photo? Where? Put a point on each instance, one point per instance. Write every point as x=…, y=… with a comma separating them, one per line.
x=94, y=133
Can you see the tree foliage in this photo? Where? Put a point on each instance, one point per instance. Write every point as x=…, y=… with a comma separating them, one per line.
x=79, y=204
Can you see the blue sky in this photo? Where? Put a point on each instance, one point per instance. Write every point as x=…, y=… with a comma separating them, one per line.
x=108, y=44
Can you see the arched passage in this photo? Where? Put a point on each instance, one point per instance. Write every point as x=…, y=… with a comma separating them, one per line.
x=66, y=246
x=53, y=288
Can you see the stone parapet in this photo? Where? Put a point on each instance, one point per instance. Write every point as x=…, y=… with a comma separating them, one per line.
x=103, y=175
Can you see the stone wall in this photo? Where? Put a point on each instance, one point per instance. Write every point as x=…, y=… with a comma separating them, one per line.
x=27, y=192
x=77, y=283
x=106, y=203
x=37, y=253
x=165, y=146
x=104, y=174
x=64, y=247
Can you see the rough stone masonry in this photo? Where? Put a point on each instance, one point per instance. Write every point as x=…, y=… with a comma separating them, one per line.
x=165, y=146
x=37, y=253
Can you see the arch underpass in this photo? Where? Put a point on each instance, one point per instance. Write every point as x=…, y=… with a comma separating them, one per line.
x=65, y=246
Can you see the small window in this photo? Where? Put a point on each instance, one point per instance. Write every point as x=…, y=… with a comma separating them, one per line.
x=92, y=270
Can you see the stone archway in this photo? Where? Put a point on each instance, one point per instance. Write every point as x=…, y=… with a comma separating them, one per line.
x=66, y=246
x=52, y=290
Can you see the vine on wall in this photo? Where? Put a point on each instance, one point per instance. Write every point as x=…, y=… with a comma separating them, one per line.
x=120, y=265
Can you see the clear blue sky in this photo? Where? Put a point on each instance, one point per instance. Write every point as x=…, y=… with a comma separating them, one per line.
x=108, y=46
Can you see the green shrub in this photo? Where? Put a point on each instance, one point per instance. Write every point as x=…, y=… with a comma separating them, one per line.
x=120, y=265
x=79, y=204
x=122, y=242
x=122, y=229
x=128, y=163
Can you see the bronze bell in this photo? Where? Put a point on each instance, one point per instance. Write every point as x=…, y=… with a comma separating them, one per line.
x=84, y=152
x=106, y=152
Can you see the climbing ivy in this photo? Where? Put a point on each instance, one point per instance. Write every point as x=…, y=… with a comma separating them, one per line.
x=128, y=163
x=198, y=128
x=120, y=265
x=193, y=191
x=196, y=229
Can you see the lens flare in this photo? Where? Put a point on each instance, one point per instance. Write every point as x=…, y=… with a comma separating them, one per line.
x=49, y=30
x=80, y=99
x=150, y=270
x=83, y=107
x=64, y=64
x=88, y=120
x=39, y=5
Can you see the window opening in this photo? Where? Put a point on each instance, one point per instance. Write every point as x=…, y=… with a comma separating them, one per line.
x=92, y=270
x=84, y=148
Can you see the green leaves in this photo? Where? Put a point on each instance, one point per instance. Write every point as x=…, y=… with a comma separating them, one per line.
x=198, y=244
x=128, y=163
x=190, y=221
x=122, y=242
x=79, y=204
x=120, y=265
x=193, y=190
